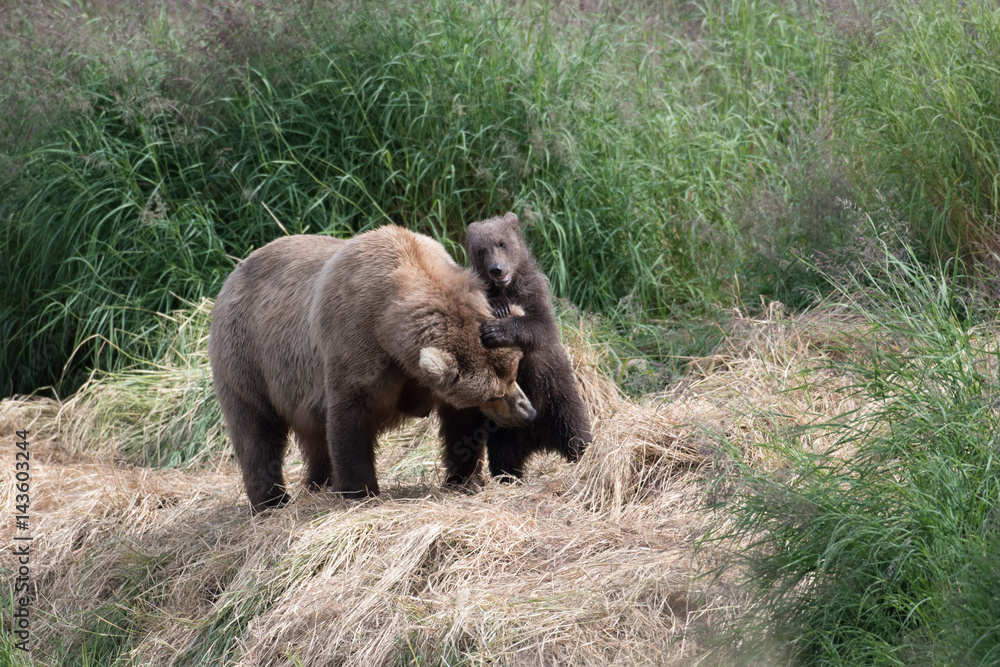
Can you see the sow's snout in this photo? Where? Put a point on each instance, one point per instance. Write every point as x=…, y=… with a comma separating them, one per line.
x=512, y=410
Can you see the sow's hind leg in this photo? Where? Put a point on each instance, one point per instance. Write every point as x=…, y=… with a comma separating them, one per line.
x=259, y=437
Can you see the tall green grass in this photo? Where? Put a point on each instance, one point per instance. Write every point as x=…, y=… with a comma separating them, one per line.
x=162, y=415
x=620, y=141
x=882, y=550
x=924, y=100
x=669, y=159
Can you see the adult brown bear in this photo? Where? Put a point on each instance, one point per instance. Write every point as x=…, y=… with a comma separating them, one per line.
x=339, y=341
x=497, y=251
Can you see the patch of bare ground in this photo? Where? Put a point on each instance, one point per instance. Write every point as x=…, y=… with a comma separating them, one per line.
x=585, y=564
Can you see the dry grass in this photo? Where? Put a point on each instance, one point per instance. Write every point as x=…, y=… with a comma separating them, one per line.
x=166, y=415
x=777, y=371
x=592, y=563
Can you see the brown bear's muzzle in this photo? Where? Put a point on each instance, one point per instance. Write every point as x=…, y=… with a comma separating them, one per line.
x=512, y=410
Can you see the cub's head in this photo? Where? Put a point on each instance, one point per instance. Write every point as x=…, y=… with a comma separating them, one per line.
x=496, y=248
x=484, y=379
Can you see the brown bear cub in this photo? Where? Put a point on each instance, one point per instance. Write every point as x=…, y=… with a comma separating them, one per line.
x=339, y=341
x=499, y=254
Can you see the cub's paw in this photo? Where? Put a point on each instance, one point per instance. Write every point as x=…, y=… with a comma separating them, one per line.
x=493, y=333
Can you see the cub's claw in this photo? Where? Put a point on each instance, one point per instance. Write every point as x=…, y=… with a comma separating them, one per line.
x=501, y=310
x=493, y=334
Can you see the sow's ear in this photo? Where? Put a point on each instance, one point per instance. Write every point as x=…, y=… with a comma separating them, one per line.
x=439, y=364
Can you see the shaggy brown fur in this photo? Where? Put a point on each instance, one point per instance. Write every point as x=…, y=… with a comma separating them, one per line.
x=497, y=251
x=340, y=341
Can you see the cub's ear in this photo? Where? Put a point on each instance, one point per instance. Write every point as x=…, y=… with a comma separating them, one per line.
x=512, y=221
x=439, y=364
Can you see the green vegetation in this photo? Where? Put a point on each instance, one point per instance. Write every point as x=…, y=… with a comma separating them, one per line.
x=881, y=548
x=163, y=414
x=672, y=161
x=925, y=103
x=630, y=147
x=107, y=631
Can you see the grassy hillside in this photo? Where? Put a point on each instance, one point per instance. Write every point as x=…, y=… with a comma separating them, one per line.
x=820, y=489
x=147, y=554
x=875, y=539
x=772, y=230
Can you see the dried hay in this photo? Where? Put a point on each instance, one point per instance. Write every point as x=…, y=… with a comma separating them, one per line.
x=517, y=574
x=638, y=450
x=776, y=371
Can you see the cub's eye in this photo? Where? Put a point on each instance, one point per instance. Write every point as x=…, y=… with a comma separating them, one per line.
x=502, y=245
x=480, y=252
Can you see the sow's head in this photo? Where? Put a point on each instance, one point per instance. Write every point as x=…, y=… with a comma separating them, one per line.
x=489, y=383
x=452, y=359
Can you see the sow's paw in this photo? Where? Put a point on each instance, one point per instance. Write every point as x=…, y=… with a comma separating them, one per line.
x=500, y=332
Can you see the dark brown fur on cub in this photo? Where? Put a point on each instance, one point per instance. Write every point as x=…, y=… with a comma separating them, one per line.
x=339, y=341
x=499, y=254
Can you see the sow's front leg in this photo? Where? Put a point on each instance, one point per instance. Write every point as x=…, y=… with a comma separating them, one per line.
x=463, y=440
x=351, y=435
